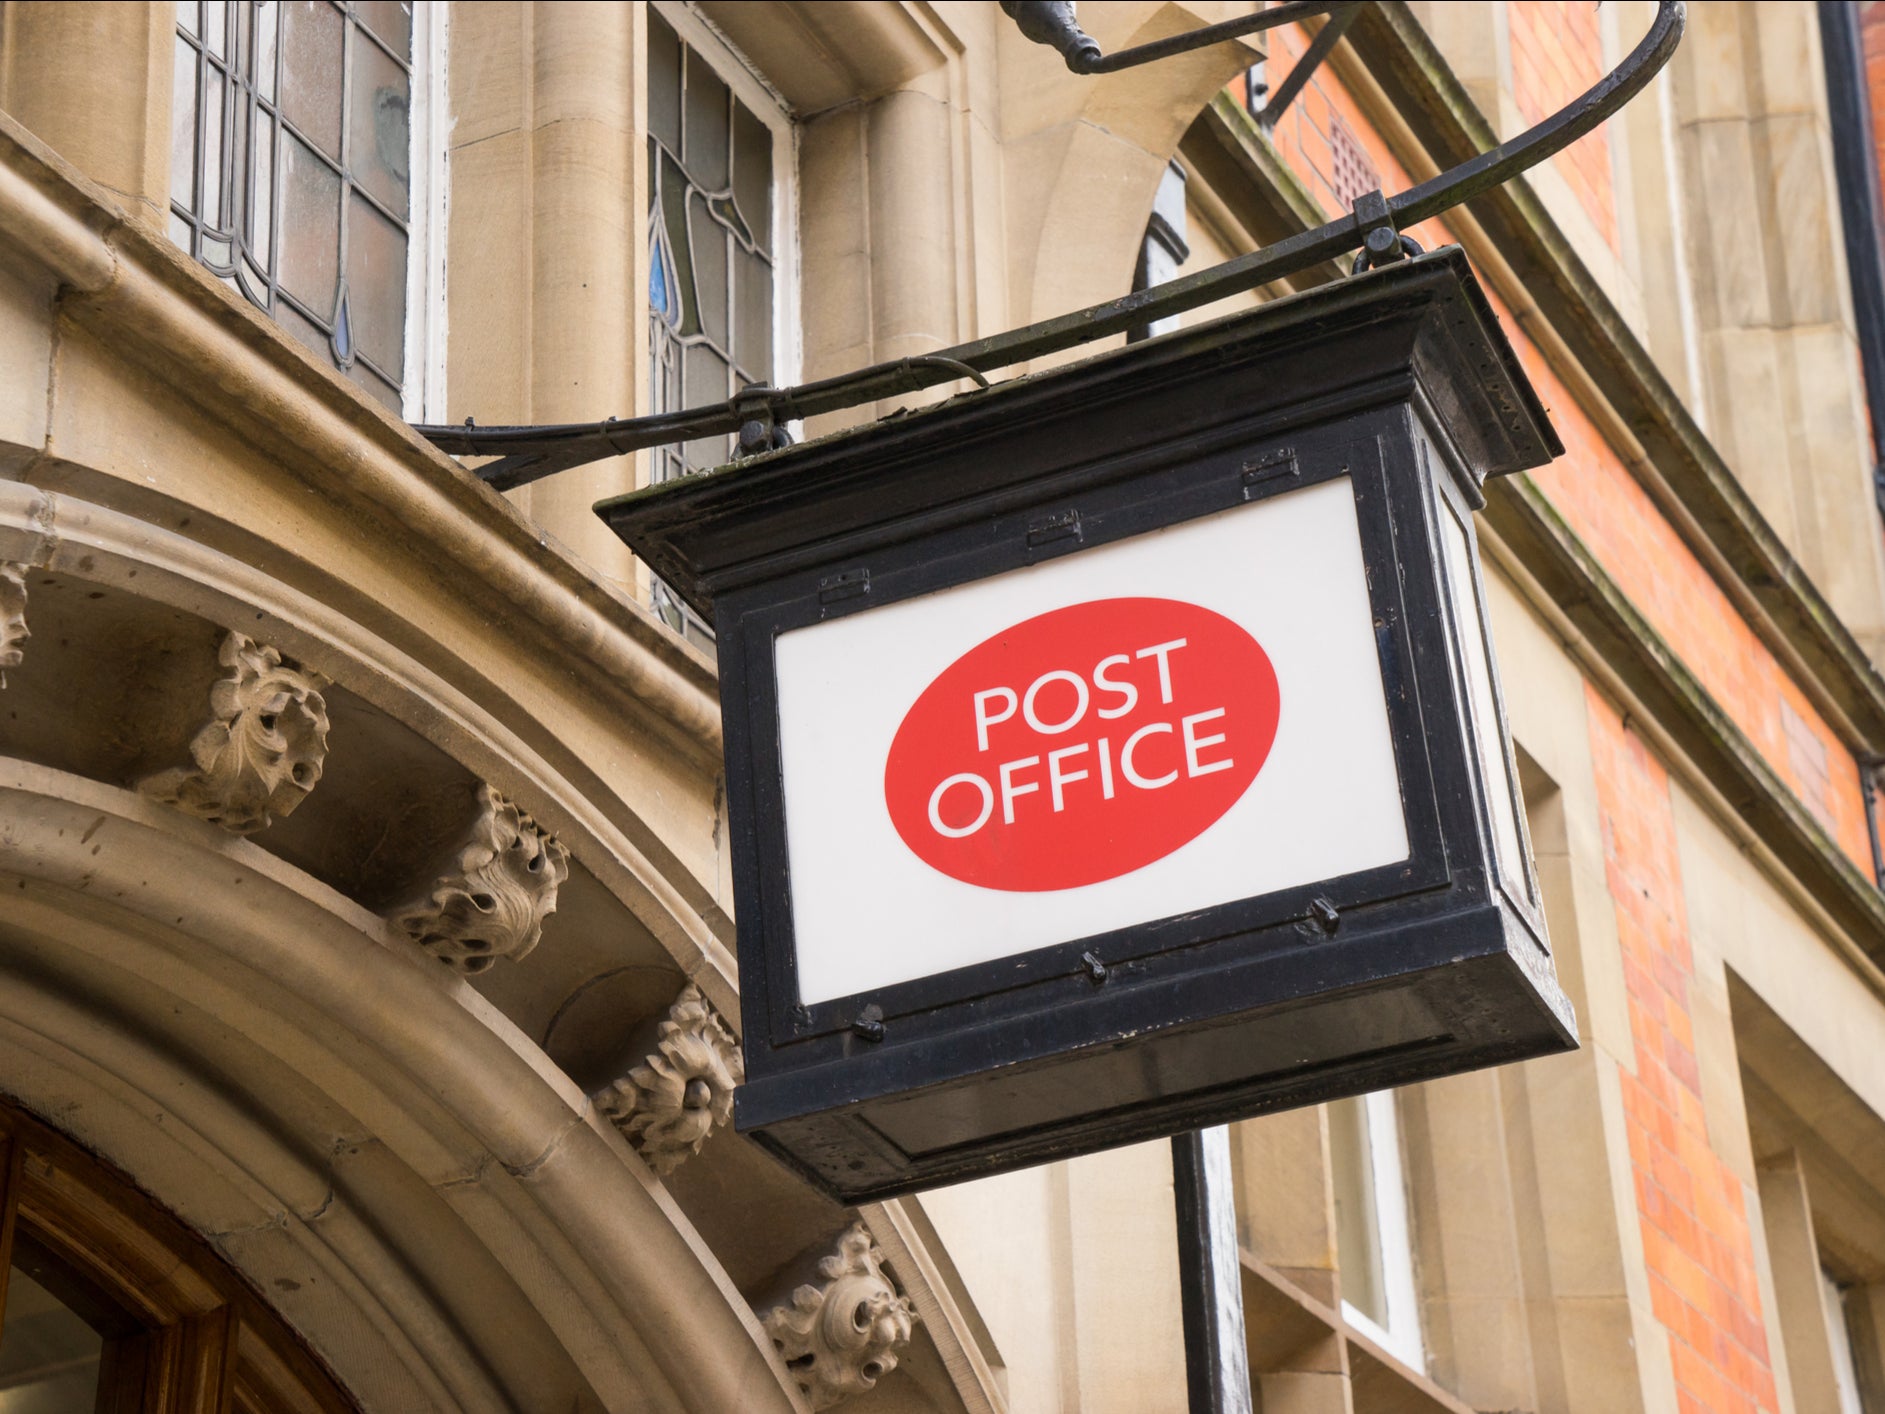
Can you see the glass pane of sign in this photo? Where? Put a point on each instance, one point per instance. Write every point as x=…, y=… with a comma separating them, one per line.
x=1175, y=721
x=1494, y=764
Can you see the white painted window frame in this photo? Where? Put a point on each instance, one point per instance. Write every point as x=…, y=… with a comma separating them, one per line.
x=422, y=394
x=767, y=104
x=1839, y=1339
x=1400, y=1337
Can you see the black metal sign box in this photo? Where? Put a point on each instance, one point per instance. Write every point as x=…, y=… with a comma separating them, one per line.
x=1198, y=985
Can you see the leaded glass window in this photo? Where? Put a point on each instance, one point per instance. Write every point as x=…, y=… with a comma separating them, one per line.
x=715, y=238
x=289, y=168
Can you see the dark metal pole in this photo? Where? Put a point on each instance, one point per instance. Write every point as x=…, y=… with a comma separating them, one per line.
x=1855, y=170
x=1210, y=1276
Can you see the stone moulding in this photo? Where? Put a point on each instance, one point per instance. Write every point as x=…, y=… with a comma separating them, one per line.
x=261, y=751
x=13, y=630
x=668, y=1105
x=839, y=1338
x=492, y=901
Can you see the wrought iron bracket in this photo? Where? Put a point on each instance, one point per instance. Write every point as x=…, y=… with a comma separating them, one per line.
x=1284, y=94
x=527, y=454
x=1052, y=22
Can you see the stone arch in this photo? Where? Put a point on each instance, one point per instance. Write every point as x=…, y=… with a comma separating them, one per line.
x=411, y=1183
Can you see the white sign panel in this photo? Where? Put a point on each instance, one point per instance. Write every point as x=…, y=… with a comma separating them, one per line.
x=1175, y=721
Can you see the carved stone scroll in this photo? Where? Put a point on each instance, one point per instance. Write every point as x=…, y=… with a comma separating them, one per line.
x=261, y=751
x=838, y=1339
x=668, y=1105
x=492, y=901
x=13, y=630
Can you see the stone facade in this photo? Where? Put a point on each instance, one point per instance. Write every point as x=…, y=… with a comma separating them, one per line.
x=306, y=710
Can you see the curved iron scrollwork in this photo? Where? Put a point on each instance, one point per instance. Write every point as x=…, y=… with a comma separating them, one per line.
x=527, y=454
x=1052, y=22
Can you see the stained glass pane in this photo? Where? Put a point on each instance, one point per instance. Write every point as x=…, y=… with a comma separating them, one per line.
x=752, y=324
x=311, y=71
x=710, y=270
x=710, y=242
x=680, y=248
x=704, y=143
x=216, y=18
x=183, y=126
x=390, y=21
x=752, y=174
x=267, y=17
x=187, y=16
x=306, y=332
x=259, y=191
x=382, y=127
x=310, y=227
x=376, y=283
x=262, y=197
x=210, y=205
x=664, y=83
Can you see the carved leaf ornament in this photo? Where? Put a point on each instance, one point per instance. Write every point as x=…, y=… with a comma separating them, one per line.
x=839, y=1339
x=493, y=901
x=261, y=752
x=670, y=1104
x=13, y=631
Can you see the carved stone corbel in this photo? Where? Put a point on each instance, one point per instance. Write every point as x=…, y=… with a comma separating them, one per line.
x=261, y=751
x=839, y=1338
x=13, y=630
x=668, y=1105
x=492, y=901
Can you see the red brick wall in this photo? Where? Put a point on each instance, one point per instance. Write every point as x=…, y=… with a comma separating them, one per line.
x=1693, y=1209
x=1613, y=515
x=1557, y=54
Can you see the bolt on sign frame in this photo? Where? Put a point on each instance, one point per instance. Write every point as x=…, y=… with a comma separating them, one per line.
x=1364, y=911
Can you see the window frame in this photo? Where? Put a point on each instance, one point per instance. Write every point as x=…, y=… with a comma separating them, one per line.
x=188, y=1330
x=1839, y=1341
x=428, y=199
x=750, y=88
x=1393, y=1235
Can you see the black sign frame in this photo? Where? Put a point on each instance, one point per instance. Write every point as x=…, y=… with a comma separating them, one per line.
x=1400, y=380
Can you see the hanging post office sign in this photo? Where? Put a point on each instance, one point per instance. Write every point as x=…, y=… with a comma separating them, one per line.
x=1119, y=750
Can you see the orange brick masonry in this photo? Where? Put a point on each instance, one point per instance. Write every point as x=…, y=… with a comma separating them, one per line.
x=1557, y=53
x=1696, y=1239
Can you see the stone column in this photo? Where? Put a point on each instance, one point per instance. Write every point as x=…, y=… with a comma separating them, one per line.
x=548, y=285
x=1794, y=1253
x=93, y=82
x=1777, y=344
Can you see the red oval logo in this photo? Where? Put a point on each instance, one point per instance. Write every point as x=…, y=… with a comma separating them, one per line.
x=1082, y=744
